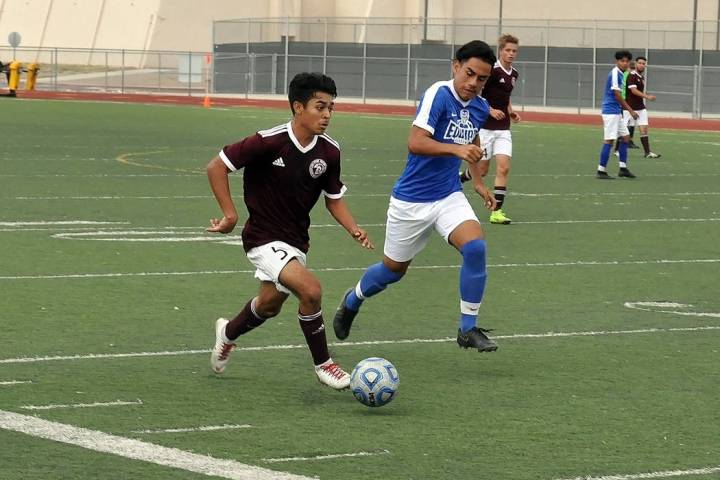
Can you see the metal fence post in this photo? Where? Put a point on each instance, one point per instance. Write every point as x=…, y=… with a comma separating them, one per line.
x=364, y=63
x=159, y=69
x=122, y=72
x=287, y=52
x=273, y=73
x=325, y=40
x=55, y=69
x=407, y=69
x=579, y=84
x=594, y=65
x=189, y=74
x=107, y=71
x=545, y=72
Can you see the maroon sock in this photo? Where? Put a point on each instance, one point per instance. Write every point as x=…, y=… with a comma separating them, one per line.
x=313, y=328
x=245, y=321
x=645, y=143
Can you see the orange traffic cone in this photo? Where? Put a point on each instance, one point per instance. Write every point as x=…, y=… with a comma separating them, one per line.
x=206, y=102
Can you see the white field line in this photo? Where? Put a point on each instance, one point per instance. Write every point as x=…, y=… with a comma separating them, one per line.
x=649, y=475
x=64, y=223
x=353, y=269
x=116, y=403
x=345, y=175
x=138, y=450
x=14, y=382
x=325, y=457
x=647, y=306
x=172, y=353
x=70, y=232
x=358, y=195
x=204, y=428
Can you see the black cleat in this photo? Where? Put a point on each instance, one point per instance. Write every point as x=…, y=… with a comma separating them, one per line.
x=603, y=176
x=465, y=176
x=624, y=172
x=343, y=318
x=476, y=338
x=632, y=144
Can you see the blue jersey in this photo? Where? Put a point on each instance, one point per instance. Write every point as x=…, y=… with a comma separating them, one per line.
x=449, y=119
x=615, y=81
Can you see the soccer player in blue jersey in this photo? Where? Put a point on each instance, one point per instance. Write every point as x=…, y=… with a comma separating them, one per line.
x=612, y=114
x=428, y=195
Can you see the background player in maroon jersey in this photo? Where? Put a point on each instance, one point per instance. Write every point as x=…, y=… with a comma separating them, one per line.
x=495, y=135
x=636, y=97
x=286, y=169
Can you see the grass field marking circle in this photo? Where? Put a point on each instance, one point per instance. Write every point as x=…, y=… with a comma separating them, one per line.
x=659, y=306
x=125, y=159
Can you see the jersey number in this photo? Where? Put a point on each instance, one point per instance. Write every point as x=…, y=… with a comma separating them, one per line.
x=281, y=251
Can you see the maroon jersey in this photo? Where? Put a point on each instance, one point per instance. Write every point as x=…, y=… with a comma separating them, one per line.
x=282, y=182
x=497, y=92
x=635, y=80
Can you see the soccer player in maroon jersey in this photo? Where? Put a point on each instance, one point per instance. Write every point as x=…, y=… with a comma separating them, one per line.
x=286, y=170
x=636, y=97
x=495, y=135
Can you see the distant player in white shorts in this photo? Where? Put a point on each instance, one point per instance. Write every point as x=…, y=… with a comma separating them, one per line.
x=636, y=97
x=495, y=136
x=428, y=195
x=613, y=125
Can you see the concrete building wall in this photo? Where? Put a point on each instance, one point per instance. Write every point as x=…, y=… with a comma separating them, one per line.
x=187, y=24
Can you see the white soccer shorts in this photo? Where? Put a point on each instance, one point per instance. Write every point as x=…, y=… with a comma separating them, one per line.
x=614, y=126
x=642, y=120
x=495, y=142
x=410, y=224
x=271, y=258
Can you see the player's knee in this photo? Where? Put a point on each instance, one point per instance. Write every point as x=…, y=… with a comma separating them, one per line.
x=311, y=295
x=503, y=170
x=267, y=309
x=474, y=253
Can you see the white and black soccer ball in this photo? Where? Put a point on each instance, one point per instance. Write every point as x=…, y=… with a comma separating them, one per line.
x=374, y=382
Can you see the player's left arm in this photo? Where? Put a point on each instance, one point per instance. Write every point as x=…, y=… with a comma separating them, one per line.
x=478, y=183
x=340, y=211
x=636, y=91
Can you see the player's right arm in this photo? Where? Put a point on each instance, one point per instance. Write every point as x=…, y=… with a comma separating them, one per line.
x=420, y=142
x=217, y=173
x=621, y=101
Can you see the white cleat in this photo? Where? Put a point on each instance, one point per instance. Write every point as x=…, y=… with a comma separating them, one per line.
x=221, y=352
x=332, y=375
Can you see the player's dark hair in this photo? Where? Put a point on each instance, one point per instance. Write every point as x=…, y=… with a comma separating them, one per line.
x=476, y=49
x=641, y=58
x=620, y=54
x=304, y=85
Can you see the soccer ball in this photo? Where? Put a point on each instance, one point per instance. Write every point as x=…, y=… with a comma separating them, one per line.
x=374, y=382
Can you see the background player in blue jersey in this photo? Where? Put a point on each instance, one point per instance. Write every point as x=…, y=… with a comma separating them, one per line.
x=428, y=195
x=612, y=114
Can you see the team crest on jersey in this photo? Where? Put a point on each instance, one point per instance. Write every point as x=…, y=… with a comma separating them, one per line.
x=461, y=131
x=317, y=167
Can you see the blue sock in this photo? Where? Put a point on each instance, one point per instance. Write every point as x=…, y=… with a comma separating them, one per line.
x=473, y=276
x=623, y=151
x=375, y=279
x=605, y=154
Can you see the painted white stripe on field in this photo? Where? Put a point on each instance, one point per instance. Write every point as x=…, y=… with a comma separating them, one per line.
x=359, y=195
x=325, y=457
x=204, y=428
x=65, y=222
x=648, y=307
x=353, y=269
x=138, y=450
x=640, y=476
x=172, y=353
x=116, y=403
x=14, y=382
